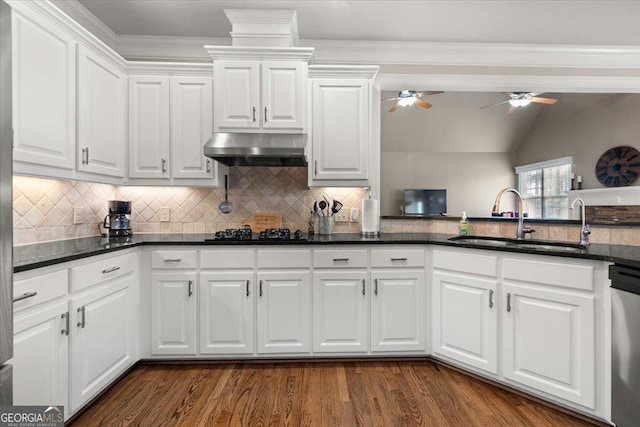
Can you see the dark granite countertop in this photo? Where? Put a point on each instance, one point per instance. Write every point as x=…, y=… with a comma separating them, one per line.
x=29, y=257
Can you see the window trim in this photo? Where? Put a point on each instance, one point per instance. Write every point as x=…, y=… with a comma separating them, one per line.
x=568, y=160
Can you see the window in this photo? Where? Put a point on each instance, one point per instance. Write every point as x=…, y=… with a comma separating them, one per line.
x=545, y=188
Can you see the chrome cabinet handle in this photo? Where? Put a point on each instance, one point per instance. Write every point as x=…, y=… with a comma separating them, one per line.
x=265, y=114
x=398, y=259
x=315, y=168
x=364, y=291
x=65, y=317
x=508, y=302
x=110, y=270
x=190, y=288
x=172, y=260
x=490, y=298
x=208, y=166
x=87, y=154
x=82, y=323
x=25, y=296
x=260, y=291
x=341, y=260
x=375, y=286
x=254, y=114
x=164, y=165
x=85, y=157
x=247, y=288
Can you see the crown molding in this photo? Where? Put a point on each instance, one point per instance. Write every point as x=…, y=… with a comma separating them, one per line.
x=155, y=48
x=510, y=83
x=255, y=24
x=343, y=71
x=140, y=68
x=48, y=11
x=474, y=54
x=75, y=9
x=259, y=53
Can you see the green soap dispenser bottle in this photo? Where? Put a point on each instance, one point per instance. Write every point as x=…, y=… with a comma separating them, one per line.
x=464, y=225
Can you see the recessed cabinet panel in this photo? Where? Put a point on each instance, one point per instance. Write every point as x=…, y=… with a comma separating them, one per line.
x=173, y=313
x=236, y=94
x=149, y=127
x=226, y=313
x=191, y=126
x=466, y=319
x=44, y=93
x=101, y=115
x=549, y=340
x=283, y=84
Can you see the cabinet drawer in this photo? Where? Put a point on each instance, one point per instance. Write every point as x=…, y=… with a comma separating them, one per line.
x=45, y=286
x=466, y=262
x=227, y=259
x=397, y=258
x=96, y=272
x=340, y=258
x=284, y=258
x=174, y=259
x=550, y=273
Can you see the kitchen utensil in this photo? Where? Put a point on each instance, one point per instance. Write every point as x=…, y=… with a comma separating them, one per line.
x=315, y=208
x=336, y=207
x=226, y=206
x=322, y=206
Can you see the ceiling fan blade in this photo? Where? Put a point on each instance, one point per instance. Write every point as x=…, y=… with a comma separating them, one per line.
x=433, y=92
x=511, y=109
x=493, y=105
x=389, y=99
x=548, y=101
x=423, y=104
x=394, y=108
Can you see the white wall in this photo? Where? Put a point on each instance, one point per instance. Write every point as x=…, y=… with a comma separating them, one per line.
x=583, y=126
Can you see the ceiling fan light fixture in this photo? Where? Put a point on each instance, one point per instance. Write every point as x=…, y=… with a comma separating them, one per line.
x=519, y=102
x=405, y=102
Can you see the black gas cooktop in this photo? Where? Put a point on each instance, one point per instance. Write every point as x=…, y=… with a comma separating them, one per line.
x=239, y=234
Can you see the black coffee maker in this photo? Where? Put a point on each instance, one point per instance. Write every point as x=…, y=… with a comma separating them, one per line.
x=118, y=221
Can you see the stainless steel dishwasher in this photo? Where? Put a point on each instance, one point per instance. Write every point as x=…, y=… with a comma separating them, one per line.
x=625, y=363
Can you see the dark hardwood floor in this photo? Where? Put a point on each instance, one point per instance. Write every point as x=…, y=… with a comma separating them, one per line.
x=369, y=393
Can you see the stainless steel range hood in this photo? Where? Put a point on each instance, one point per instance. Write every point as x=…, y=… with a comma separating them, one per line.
x=257, y=149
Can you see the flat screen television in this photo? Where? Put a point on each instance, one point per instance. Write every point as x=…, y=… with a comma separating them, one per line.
x=425, y=202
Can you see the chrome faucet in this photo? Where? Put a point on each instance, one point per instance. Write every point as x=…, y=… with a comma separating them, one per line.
x=585, y=229
x=521, y=230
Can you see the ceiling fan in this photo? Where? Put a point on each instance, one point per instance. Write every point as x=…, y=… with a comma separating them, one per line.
x=406, y=98
x=522, y=99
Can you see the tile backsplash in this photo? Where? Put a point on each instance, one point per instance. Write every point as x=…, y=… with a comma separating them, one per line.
x=44, y=208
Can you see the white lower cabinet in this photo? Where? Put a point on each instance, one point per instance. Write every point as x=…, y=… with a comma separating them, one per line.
x=465, y=318
x=101, y=344
x=41, y=355
x=549, y=341
x=340, y=311
x=226, y=312
x=284, y=312
x=173, y=313
x=398, y=310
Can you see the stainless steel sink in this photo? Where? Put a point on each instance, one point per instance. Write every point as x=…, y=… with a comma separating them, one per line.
x=529, y=243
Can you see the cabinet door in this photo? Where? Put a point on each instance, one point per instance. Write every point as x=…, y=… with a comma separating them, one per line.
x=44, y=93
x=41, y=356
x=283, y=90
x=340, y=311
x=101, y=344
x=398, y=311
x=101, y=115
x=226, y=313
x=465, y=319
x=173, y=313
x=191, y=126
x=149, y=127
x=340, y=129
x=236, y=94
x=548, y=341
x=284, y=312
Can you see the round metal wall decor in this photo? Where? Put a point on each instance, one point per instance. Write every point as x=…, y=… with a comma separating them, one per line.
x=618, y=167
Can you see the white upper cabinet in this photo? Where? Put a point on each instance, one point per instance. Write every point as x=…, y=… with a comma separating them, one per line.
x=191, y=126
x=340, y=130
x=44, y=93
x=102, y=109
x=149, y=147
x=254, y=95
